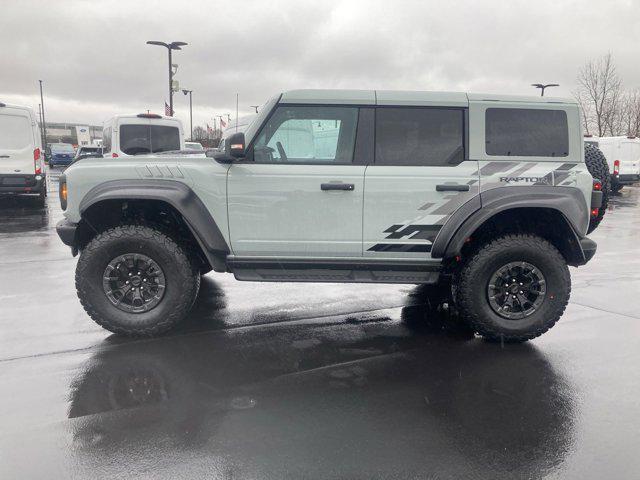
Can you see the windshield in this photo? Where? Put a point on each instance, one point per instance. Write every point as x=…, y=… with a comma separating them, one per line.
x=193, y=146
x=62, y=148
x=89, y=150
x=138, y=139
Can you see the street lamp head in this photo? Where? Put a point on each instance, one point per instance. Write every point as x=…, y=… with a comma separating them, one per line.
x=185, y=91
x=177, y=45
x=155, y=42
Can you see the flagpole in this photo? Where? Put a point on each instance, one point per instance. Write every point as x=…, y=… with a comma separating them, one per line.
x=236, y=112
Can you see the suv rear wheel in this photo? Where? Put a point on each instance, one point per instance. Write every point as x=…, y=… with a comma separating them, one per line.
x=136, y=280
x=514, y=288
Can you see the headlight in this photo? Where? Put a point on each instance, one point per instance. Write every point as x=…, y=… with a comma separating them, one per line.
x=62, y=191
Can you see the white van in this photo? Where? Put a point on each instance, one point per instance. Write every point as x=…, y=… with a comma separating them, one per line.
x=140, y=134
x=21, y=157
x=623, y=157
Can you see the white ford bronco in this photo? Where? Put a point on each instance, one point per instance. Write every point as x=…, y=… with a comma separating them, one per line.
x=489, y=195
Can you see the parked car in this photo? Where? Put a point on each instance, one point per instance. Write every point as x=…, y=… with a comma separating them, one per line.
x=486, y=196
x=193, y=146
x=60, y=154
x=143, y=133
x=87, y=151
x=21, y=162
x=623, y=157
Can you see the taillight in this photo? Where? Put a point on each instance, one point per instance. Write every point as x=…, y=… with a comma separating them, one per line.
x=594, y=212
x=114, y=155
x=36, y=161
x=597, y=185
x=616, y=167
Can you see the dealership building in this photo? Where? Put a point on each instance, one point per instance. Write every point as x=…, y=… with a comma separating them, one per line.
x=74, y=133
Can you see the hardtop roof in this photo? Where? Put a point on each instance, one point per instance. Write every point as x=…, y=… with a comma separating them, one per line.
x=406, y=97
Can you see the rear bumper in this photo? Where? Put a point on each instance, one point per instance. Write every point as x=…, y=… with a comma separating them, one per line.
x=67, y=232
x=19, y=183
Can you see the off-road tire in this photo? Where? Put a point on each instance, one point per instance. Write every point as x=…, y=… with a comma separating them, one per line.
x=598, y=168
x=472, y=280
x=181, y=275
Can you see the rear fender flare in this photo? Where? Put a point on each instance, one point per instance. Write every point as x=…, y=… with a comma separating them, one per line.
x=568, y=201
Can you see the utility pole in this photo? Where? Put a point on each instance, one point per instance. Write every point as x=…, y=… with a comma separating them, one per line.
x=44, y=124
x=190, y=92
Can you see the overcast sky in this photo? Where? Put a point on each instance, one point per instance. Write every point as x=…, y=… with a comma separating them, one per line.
x=94, y=61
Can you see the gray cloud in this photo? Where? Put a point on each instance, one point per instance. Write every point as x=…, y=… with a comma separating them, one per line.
x=94, y=61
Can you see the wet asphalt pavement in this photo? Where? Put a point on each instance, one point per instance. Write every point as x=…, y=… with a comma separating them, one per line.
x=292, y=381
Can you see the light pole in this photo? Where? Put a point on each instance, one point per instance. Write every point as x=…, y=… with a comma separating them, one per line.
x=44, y=124
x=190, y=92
x=169, y=47
x=542, y=86
x=255, y=106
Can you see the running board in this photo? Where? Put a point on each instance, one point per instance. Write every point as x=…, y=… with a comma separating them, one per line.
x=333, y=270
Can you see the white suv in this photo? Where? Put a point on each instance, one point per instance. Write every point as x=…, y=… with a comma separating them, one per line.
x=142, y=133
x=21, y=159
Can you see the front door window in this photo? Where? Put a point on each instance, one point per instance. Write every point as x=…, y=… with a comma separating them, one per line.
x=315, y=135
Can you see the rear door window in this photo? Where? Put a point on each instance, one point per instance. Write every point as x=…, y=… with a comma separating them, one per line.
x=431, y=137
x=15, y=132
x=139, y=139
x=164, y=138
x=526, y=132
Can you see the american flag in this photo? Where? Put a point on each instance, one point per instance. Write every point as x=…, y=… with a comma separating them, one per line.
x=167, y=110
x=209, y=129
x=223, y=124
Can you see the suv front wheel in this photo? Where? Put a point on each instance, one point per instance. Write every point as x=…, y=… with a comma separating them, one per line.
x=136, y=280
x=514, y=288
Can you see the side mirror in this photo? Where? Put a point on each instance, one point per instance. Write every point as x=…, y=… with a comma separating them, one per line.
x=234, y=145
x=221, y=157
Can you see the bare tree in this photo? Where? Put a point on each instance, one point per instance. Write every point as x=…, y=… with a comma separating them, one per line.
x=630, y=114
x=599, y=93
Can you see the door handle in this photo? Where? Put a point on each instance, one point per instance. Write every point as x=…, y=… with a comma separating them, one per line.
x=337, y=186
x=452, y=188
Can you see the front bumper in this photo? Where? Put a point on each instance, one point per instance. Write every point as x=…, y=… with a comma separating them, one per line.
x=61, y=161
x=19, y=183
x=67, y=232
x=625, y=179
x=589, y=248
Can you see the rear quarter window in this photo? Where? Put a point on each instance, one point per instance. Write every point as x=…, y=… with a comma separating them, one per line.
x=526, y=132
x=15, y=132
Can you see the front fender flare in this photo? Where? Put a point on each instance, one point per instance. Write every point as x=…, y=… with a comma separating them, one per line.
x=178, y=195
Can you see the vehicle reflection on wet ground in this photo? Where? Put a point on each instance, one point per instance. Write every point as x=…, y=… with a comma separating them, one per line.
x=314, y=381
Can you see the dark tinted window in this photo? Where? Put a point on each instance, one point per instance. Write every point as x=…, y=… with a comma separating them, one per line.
x=419, y=136
x=310, y=134
x=526, y=132
x=137, y=139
